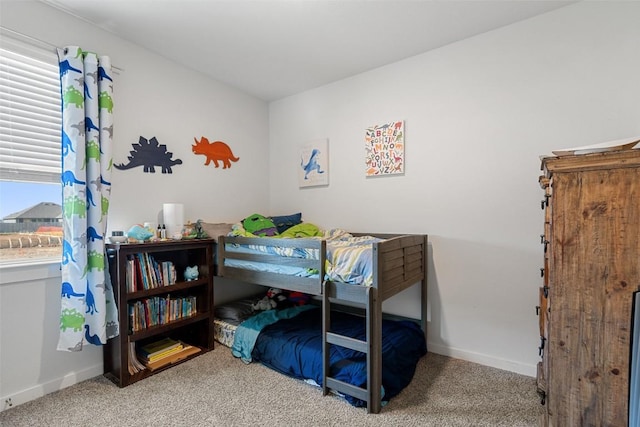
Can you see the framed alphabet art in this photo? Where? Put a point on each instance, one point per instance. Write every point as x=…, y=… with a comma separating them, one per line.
x=384, y=149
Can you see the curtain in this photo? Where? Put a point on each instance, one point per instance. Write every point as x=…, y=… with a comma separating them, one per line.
x=88, y=312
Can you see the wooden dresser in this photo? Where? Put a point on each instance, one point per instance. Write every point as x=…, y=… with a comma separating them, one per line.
x=591, y=271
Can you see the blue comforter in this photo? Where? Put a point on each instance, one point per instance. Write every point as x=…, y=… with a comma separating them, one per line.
x=294, y=347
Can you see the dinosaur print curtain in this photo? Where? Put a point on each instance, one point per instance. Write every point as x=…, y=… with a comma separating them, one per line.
x=88, y=312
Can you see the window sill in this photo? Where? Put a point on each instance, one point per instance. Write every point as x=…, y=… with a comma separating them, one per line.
x=25, y=271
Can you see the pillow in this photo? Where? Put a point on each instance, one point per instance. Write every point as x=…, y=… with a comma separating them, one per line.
x=216, y=230
x=306, y=229
x=259, y=225
x=237, y=311
x=283, y=222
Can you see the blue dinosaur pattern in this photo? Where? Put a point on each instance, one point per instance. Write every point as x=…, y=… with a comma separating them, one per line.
x=67, y=252
x=93, y=339
x=84, y=316
x=89, y=125
x=69, y=178
x=67, y=145
x=91, y=302
x=102, y=74
x=92, y=234
x=68, y=292
x=66, y=67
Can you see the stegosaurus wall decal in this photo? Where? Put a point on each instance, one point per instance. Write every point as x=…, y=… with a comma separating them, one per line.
x=149, y=154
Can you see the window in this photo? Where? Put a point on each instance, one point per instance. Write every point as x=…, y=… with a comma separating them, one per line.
x=30, y=123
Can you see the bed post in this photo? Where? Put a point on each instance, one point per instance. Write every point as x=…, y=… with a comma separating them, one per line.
x=374, y=353
x=326, y=324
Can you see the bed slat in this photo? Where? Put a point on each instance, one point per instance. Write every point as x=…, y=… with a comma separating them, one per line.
x=348, y=342
x=341, y=386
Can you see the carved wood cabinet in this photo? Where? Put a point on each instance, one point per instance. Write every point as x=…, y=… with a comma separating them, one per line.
x=590, y=276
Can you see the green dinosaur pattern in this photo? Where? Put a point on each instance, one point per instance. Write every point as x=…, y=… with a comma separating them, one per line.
x=105, y=101
x=95, y=261
x=73, y=205
x=73, y=96
x=93, y=150
x=87, y=132
x=71, y=318
x=105, y=205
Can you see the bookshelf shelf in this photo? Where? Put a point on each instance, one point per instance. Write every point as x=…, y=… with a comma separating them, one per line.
x=180, y=311
x=152, y=331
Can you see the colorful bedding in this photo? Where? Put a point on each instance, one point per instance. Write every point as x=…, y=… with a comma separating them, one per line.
x=348, y=259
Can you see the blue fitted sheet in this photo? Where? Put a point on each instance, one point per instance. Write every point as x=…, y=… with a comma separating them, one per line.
x=294, y=347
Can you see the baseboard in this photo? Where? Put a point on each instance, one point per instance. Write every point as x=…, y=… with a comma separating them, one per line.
x=43, y=389
x=483, y=359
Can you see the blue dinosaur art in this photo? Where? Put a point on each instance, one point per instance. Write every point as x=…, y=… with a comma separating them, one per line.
x=312, y=164
x=68, y=292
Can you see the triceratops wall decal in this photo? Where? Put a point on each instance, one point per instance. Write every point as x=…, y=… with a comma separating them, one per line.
x=149, y=154
x=214, y=151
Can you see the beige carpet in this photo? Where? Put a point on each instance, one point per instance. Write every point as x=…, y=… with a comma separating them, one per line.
x=216, y=389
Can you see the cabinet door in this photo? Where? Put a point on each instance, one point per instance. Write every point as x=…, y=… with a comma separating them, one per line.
x=595, y=237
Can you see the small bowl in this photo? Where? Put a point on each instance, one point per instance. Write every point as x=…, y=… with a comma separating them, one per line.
x=118, y=239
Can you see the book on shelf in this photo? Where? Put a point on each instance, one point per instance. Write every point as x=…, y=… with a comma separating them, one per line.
x=162, y=355
x=145, y=272
x=160, y=310
x=134, y=365
x=186, y=351
x=156, y=348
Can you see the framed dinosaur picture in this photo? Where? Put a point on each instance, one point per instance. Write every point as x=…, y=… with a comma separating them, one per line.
x=313, y=169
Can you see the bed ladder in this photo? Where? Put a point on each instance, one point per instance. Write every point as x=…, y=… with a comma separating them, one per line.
x=372, y=394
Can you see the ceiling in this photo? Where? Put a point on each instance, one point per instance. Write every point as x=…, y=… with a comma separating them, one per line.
x=275, y=48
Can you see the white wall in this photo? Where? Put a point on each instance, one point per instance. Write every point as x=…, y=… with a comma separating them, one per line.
x=153, y=97
x=478, y=114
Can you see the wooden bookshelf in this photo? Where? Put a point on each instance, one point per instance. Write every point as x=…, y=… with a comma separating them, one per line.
x=192, y=325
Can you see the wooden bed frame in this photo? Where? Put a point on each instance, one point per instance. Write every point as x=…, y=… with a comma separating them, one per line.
x=399, y=262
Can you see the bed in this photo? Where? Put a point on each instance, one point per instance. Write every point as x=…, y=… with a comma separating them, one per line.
x=385, y=265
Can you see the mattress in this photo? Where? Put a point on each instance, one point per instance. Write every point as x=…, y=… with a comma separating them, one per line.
x=349, y=259
x=293, y=346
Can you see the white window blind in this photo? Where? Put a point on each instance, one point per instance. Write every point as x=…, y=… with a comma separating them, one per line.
x=30, y=117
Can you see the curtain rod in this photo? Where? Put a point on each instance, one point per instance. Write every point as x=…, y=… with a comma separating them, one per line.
x=41, y=43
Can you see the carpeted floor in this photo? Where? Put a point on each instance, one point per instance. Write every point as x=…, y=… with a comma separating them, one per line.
x=216, y=389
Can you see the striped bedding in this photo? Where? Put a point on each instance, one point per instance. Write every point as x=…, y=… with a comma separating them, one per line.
x=348, y=259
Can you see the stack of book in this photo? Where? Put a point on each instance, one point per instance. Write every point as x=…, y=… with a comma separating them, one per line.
x=144, y=272
x=154, y=311
x=134, y=363
x=164, y=352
